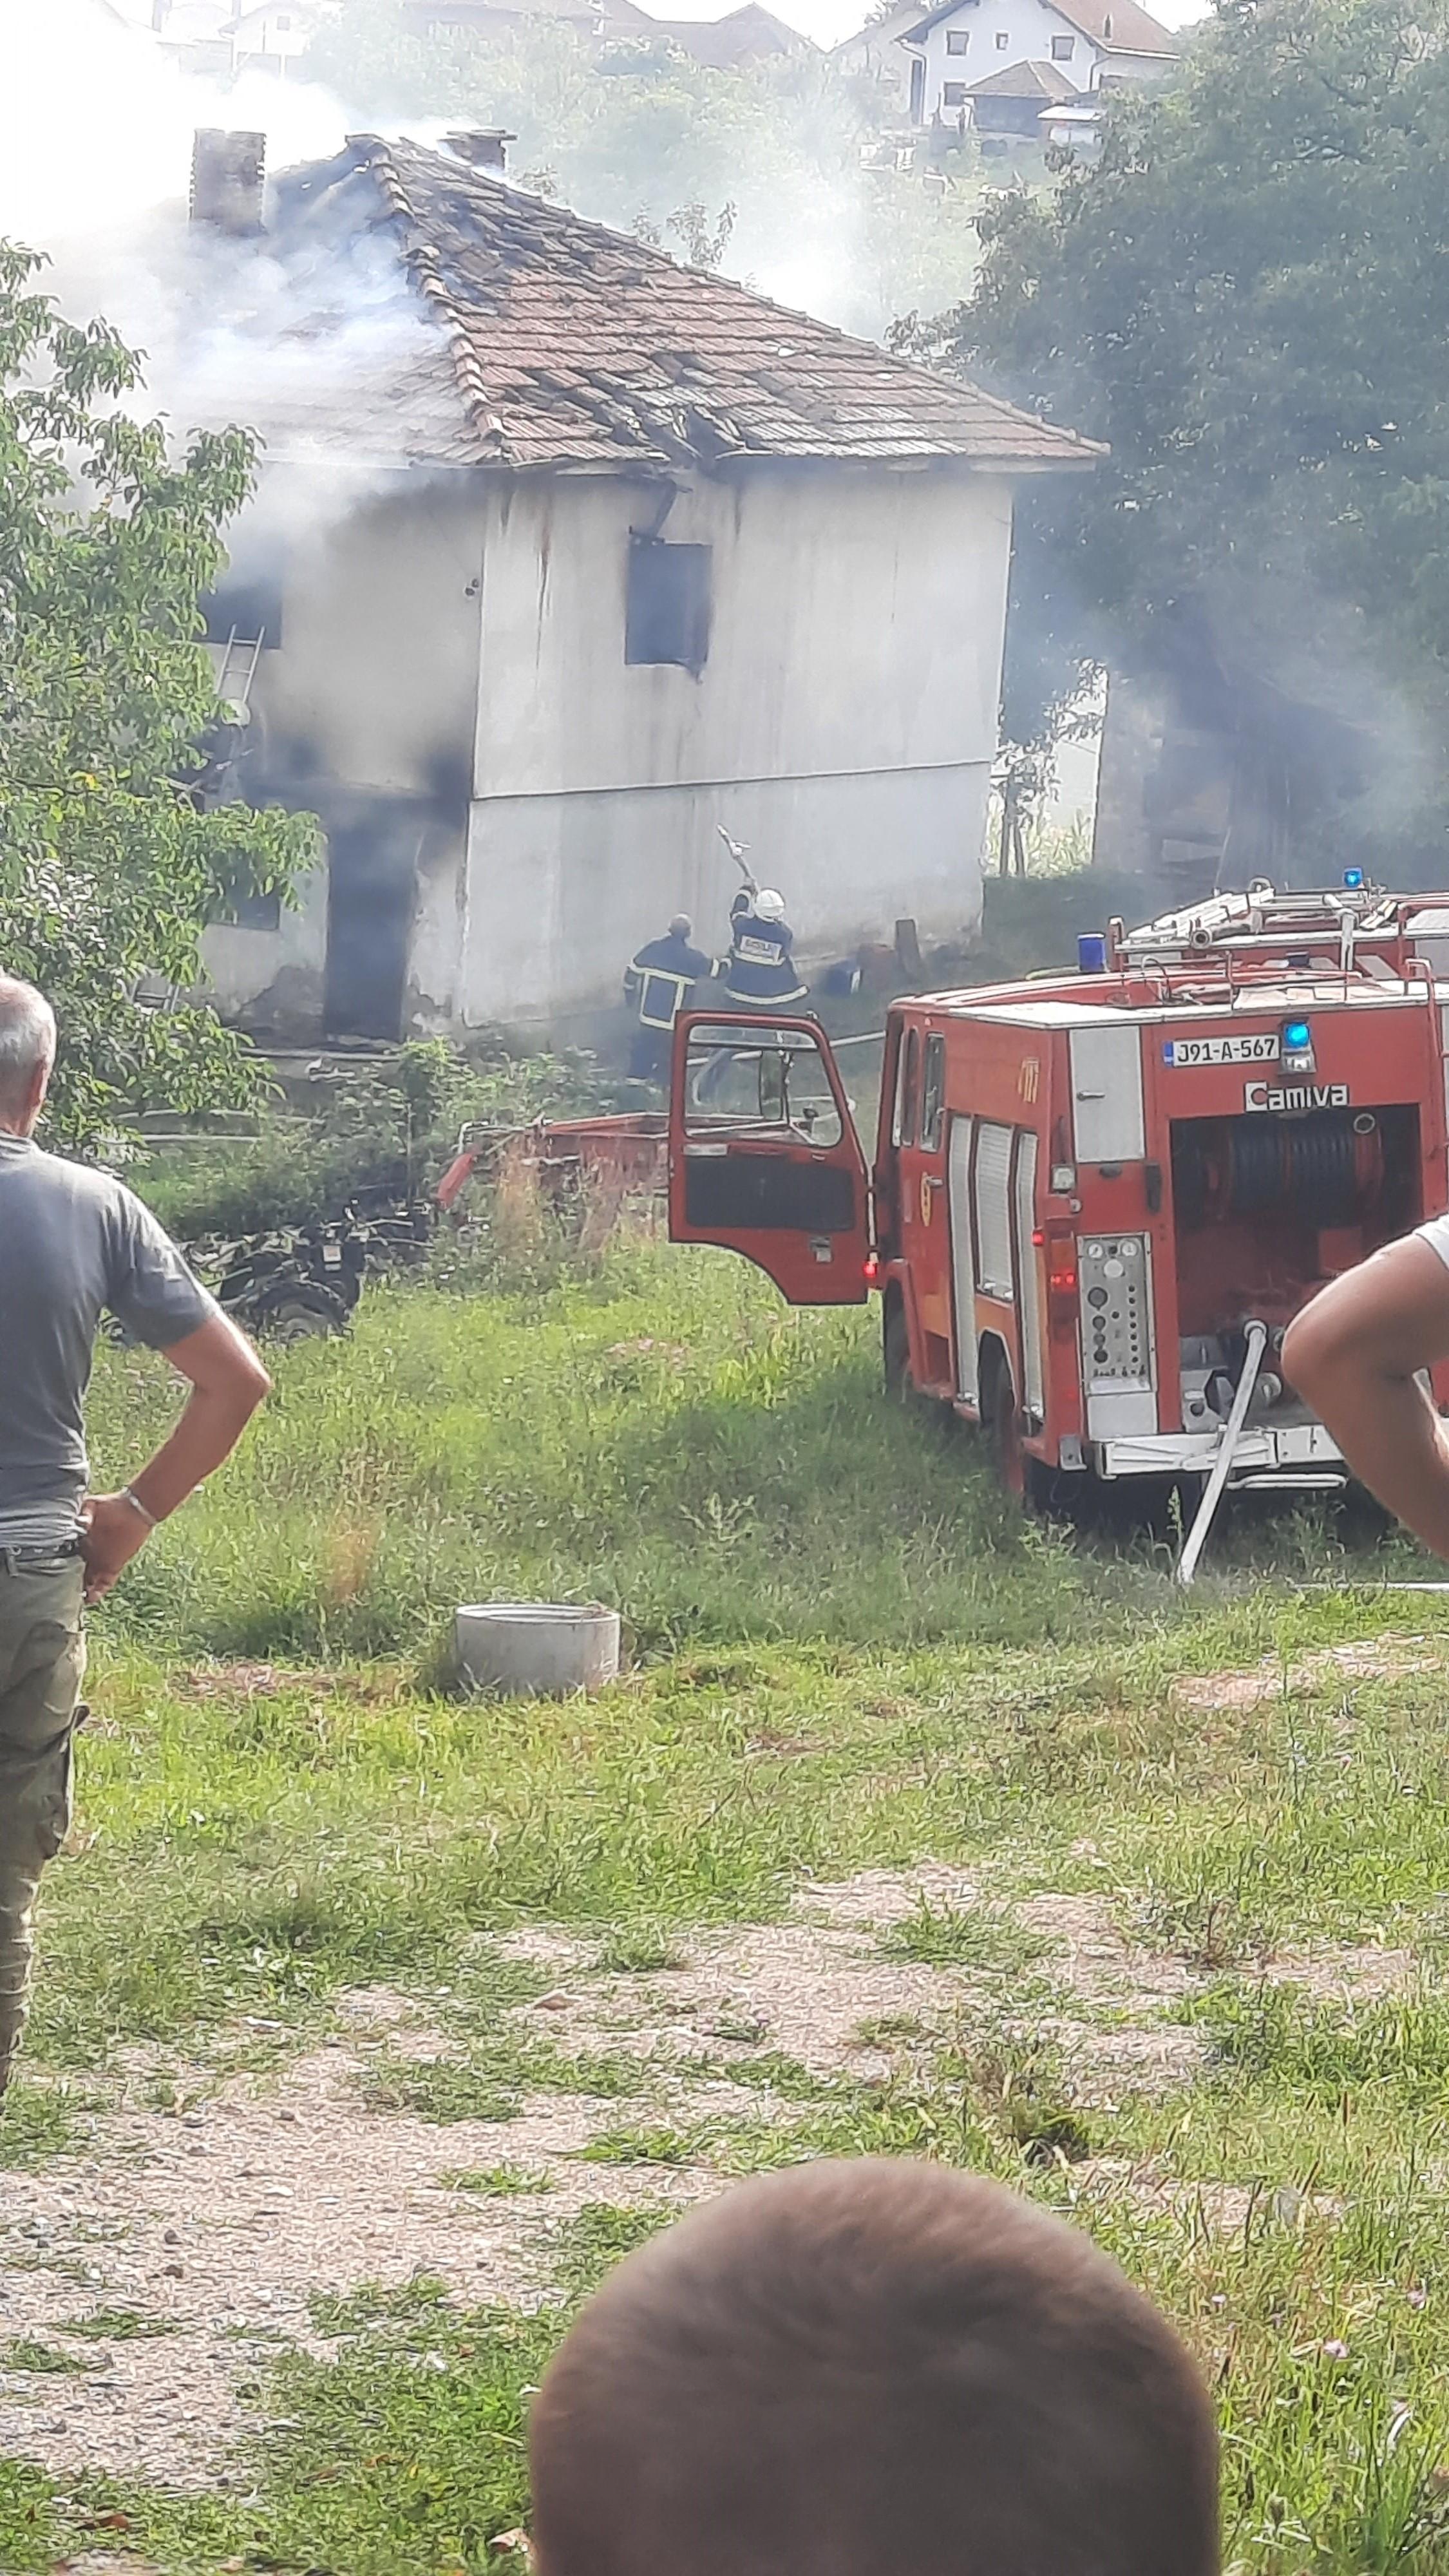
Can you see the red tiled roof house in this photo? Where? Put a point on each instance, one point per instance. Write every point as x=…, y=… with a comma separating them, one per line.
x=627, y=553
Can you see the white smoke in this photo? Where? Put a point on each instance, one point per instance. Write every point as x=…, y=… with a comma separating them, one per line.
x=97, y=123
x=96, y=120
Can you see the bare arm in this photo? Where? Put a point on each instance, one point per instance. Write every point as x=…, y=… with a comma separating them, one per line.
x=227, y=1383
x=1355, y=1354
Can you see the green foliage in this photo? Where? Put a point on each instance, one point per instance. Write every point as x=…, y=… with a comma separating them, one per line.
x=1034, y=921
x=1245, y=297
x=390, y=1127
x=107, y=870
x=638, y=135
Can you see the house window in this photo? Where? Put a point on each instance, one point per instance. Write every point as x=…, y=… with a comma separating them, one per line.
x=953, y=93
x=282, y=26
x=957, y=39
x=1062, y=48
x=667, y=612
x=247, y=612
x=1002, y=41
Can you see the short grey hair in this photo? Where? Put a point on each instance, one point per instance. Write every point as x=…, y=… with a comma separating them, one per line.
x=27, y=1034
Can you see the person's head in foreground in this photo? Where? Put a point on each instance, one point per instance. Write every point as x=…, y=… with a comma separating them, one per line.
x=872, y=2369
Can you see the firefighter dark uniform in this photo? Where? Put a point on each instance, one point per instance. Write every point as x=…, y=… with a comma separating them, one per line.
x=656, y=987
x=760, y=970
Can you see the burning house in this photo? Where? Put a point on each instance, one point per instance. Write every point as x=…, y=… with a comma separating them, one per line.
x=565, y=555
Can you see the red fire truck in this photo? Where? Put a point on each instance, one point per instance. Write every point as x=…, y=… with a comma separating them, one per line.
x=1098, y=1199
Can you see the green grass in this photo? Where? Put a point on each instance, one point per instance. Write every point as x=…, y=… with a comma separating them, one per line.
x=497, y=2182
x=664, y=1436
x=845, y=1656
x=975, y=1936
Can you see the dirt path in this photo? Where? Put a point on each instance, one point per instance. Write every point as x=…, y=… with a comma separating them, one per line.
x=202, y=2238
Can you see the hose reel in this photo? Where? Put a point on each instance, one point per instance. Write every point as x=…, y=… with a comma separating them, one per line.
x=1325, y=1169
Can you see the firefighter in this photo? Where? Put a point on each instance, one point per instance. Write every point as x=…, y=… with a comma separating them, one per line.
x=760, y=971
x=1357, y=1353
x=657, y=985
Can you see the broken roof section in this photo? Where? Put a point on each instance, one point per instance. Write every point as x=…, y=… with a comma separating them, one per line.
x=569, y=346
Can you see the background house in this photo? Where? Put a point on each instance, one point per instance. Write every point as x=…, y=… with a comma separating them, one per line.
x=225, y=37
x=566, y=556
x=745, y=35
x=934, y=59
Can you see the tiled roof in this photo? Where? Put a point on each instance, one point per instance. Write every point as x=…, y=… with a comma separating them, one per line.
x=575, y=346
x=746, y=35
x=1119, y=25
x=1028, y=80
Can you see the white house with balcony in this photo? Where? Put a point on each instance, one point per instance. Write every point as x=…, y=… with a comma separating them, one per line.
x=931, y=61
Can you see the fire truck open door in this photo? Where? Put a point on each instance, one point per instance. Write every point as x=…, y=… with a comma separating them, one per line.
x=764, y=1157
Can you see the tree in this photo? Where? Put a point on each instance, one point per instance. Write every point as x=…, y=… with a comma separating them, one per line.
x=1247, y=298
x=108, y=869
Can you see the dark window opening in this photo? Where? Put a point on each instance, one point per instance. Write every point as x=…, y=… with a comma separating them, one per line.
x=667, y=615
x=1063, y=48
x=252, y=912
x=957, y=39
x=953, y=93
x=933, y=1093
x=248, y=611
x=1002, y=42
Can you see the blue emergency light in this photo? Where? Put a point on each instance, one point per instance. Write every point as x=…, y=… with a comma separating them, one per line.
x=1353, y=879
x=1296, y=1041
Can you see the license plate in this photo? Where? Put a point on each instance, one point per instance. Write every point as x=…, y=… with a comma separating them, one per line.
x=1259, y=1046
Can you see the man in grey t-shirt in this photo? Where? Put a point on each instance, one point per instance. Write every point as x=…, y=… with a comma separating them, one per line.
x=75, y=1244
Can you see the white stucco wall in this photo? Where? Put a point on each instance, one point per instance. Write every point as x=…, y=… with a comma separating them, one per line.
x=461, y=643
x=378, y=670
x=373, y=691
x=1028, y=27
x=843, y=725
x=240, y=964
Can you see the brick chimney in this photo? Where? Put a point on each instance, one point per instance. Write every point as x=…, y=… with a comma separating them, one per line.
x=228, y=180
x=483, y=147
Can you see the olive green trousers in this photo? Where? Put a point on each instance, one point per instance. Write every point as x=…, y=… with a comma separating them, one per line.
x=42, y=1665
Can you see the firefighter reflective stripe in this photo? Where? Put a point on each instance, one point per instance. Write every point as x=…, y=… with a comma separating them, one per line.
x=761, y=968
x=661, y=997
x=1027, y=1273
x=993, y=1212
x=963, y=1268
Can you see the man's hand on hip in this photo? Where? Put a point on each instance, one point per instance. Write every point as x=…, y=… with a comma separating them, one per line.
x=112, y=1532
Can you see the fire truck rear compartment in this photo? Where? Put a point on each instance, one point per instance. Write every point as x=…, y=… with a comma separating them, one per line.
x=1265, y=1209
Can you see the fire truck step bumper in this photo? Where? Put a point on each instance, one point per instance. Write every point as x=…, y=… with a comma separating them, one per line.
x=1299, y=1454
